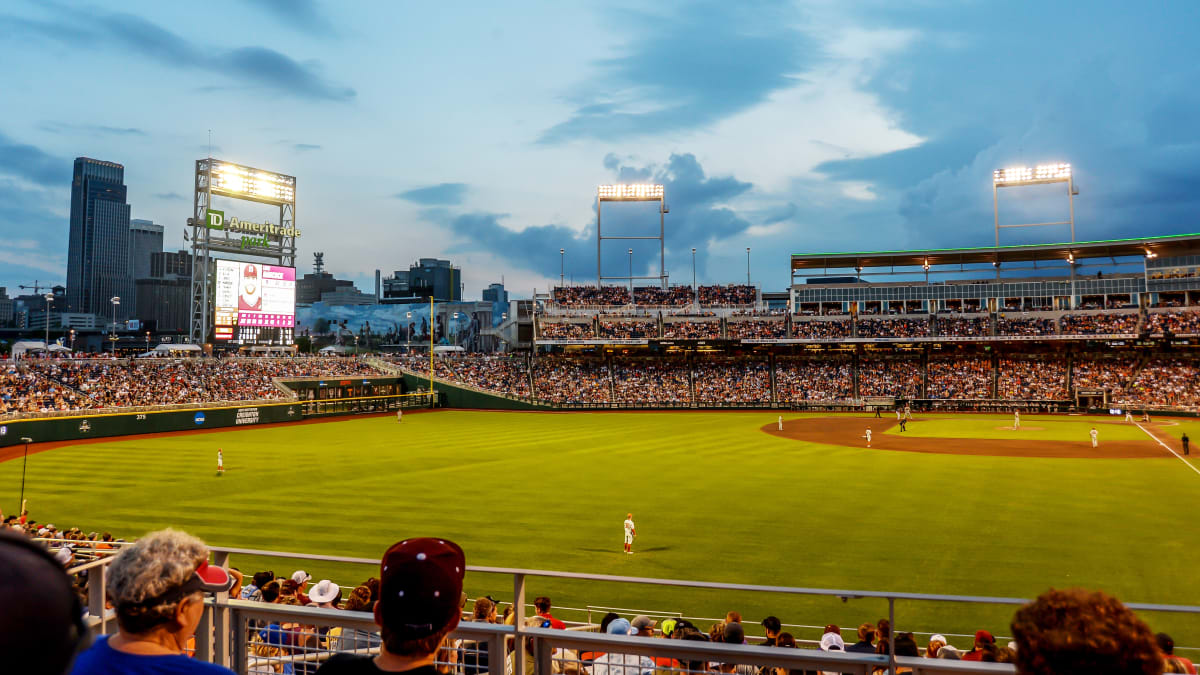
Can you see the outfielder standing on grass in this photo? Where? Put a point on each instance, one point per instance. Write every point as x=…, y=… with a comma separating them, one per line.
x=1016, y=420
x=630, y=533
x=220, y=462
x=1093, y=433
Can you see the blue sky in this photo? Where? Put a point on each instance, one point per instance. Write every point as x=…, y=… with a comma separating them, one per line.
x=479, y=131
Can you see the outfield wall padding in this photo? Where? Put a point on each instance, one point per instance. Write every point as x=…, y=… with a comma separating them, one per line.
x=450, y=396
x=77, y=427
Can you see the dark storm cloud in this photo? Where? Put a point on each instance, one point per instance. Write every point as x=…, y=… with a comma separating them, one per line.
x=698, y=218
x=32, y=163
x=258, y=66
x=690, y=68
x=443, y=194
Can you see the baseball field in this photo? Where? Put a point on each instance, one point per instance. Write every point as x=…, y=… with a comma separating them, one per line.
x=957, y=504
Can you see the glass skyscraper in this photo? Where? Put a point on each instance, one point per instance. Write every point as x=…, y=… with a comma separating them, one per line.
x=98, y=265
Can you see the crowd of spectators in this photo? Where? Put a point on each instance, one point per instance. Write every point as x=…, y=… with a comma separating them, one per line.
x=893, y=328
x=1165, y=381
x=562, y=379
x=628, y=330
x=1032, y=379
x=675, y=296
x=756, y=330
x=69, y=384
x=821, y=330
x=814, y=379
x=1098, y=324
x=725, y=381
x=565, y=330
x=500, y=373
x=1101, y=373
x=1032, y=326
x=733, y=294
x=692, y=330
x=1179, y=323
x=955, y=326
x=583, y=296
x=651, y=381
x=959, y=378
x=899, y=377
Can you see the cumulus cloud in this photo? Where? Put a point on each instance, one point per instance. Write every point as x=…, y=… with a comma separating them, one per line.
x=32, y=163
x=300, y=14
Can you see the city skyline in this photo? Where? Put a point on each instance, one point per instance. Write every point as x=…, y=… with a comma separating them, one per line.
x=783, y=127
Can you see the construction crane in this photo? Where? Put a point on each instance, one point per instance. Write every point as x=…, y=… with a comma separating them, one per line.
x=36, y=287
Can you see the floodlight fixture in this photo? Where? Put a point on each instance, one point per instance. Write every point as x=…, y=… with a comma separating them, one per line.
x=632, y=192
x=246, y=182
x=1024, y=176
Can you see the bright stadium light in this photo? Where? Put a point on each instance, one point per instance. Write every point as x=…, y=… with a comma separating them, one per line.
x=244, y=182
x=634, y=192
x=1042, y=174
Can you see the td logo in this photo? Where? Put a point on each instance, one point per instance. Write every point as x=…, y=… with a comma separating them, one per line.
x=216, y=219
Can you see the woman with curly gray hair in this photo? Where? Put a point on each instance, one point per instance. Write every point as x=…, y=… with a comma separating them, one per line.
x=157, y=587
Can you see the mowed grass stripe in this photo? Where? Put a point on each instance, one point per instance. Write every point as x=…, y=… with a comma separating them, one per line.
x=715, y=499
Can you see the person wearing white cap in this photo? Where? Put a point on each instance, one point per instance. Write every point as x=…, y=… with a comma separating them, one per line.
x=832, y=642
x=301, y=578
x=64, y=556
x=936, y=642
x=326, y=594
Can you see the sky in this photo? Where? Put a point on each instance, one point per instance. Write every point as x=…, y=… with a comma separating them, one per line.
x=479, y=131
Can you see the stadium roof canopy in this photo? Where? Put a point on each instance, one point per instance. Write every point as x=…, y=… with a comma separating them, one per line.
x=1165, y=246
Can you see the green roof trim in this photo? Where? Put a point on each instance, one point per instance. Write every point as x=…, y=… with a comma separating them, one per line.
x=1165, y=237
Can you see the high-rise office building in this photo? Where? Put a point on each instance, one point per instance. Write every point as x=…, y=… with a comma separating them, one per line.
x=145, y=239
x=98, y=250
x=428, y=277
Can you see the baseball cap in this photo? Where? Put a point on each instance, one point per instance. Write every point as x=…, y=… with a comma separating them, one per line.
x=619, y=627
x=734, y=633
x=982, y=637
x=324, y=591
x=938, y=637
x=50, y=616
x=301, y=577
x=832, y=642
x=642, y=622
x=64, y=555
x=420, y=585
x=668, y=626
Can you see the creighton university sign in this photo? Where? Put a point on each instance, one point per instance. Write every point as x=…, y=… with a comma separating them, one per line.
x=255, y=234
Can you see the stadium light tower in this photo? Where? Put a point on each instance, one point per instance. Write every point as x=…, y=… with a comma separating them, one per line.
x=562, y=266
x=1023, y=176
x=633, y=193
x=49, y=298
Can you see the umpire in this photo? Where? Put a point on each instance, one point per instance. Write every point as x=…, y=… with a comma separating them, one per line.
x=1185, y=443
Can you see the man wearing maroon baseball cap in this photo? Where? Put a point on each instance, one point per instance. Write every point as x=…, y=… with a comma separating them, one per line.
x=982, y=640
x=420, y=590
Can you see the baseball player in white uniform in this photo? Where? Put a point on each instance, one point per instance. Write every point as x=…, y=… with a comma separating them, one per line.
x=781, y=422
x=868, y=436
x=899, y=414
x=399, y=415
x=1129, y=416
x=630, y=533
x=220, y=461
x=1016, y=420
x=1093, y=433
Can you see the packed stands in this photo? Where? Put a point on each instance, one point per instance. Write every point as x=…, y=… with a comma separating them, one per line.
x=1032, y=378
x=815, y=329
x=899, y=377
x=691, y=330
x=955, y=326
x=675, y=296
x=757, y=329
x=628, y=330
x=1029, y=326
x=1101, y=373
x=893, y=328
x=647, y=381
x=955, y=377
x=566, y=330
x=585, y=296
x=504, y=374
x=726, y=296
x=725, y=380
x=1098, y=324
x=824, y=379
x=1165, y=381
x=567, y=380
x=1177, y=322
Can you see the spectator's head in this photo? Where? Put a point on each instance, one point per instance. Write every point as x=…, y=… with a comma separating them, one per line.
x=542, y=604
x=936, y=642
x=420, y=586
x=485, y=610
x=50, y=615
x=1165, y=643
x=906, y=645
x=608, y=618
x=270, y=591
x=785, y=640
x=832, y=642
x=734, y=634
x=733, y=617
x=301, y=578
x=372, y=585
x=289, y=588
x=983, y=639
x=157, y=586
x=866, y=633
x=262, y=578
x=883, y=629
x=643, y=625
x=772, y=626
x=326, y=593
x=359, y=600
x=832, y=628
x=949, y=653
x=618, y=626
x=668, y=626
x=1078, y=631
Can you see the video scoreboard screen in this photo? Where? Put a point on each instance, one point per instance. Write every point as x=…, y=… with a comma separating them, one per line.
x=254, y=304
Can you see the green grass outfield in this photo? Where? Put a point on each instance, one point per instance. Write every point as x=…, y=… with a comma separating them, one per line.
x=715, y=499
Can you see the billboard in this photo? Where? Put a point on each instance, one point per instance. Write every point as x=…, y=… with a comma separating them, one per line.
x=254, y=304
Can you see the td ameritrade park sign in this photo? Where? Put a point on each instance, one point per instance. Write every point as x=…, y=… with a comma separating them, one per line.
x=254, y=235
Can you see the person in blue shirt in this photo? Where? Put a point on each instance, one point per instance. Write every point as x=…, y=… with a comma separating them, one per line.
x=157, y=586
